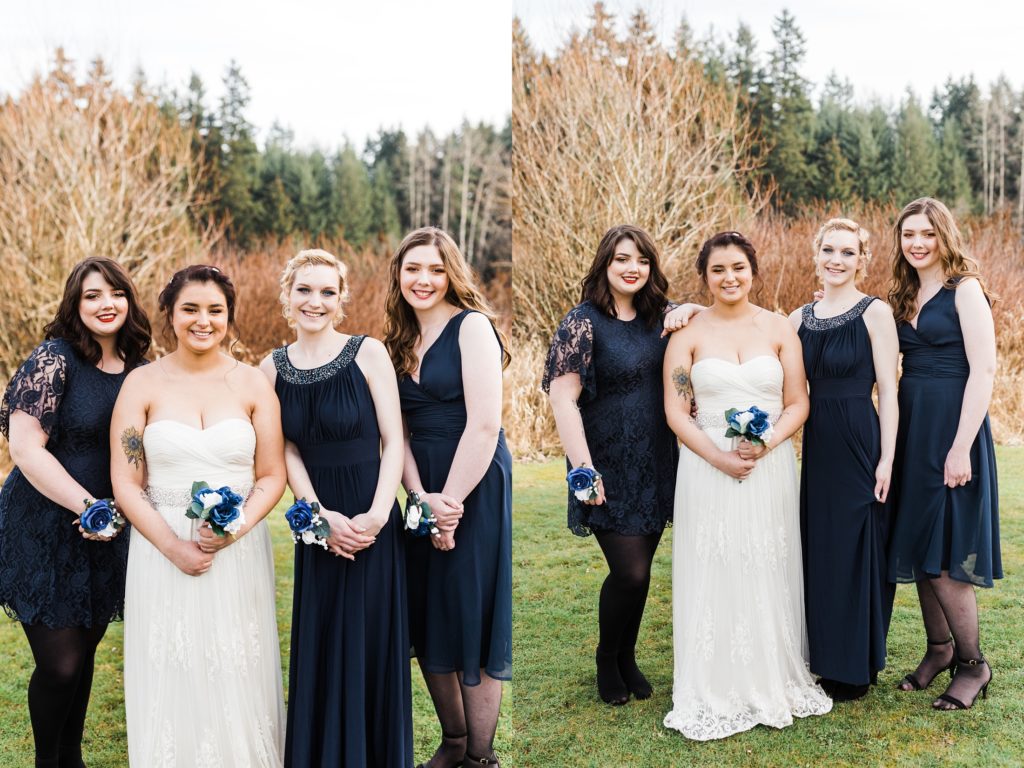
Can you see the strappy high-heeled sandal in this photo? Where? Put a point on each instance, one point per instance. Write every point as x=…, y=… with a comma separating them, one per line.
x=446, y=741
x=917, y=685
x=983, y=691
x=492, y=759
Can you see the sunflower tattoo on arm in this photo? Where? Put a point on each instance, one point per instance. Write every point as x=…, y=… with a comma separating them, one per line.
x=131, y=444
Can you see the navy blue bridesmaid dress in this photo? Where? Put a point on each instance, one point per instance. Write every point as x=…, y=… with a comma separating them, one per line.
x=49, y=574
x=844, y=529
x=460, y=601
x=939, y=528
x=349, y=687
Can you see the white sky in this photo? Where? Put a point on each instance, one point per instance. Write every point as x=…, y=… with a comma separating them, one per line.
x=326, y=68
x=880, y=46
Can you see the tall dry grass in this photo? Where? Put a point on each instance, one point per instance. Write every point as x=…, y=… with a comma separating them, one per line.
x=788, y=281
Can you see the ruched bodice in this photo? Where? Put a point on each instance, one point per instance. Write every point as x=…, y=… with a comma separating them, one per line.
x=935, y=349
x=178, y=454
x=719, y=385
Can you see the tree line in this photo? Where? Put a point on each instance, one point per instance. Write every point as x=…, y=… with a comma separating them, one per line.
x=965, y=143
x=395, y=183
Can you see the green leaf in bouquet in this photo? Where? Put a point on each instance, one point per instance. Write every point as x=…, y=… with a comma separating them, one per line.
x=322, y=529
x=199, y=485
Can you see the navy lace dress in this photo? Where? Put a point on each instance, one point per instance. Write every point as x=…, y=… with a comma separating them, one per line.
x=49, y=574
x=460, y=601
x=623, y=409
x=939, y=528
x=844, y=530
x=349, y=690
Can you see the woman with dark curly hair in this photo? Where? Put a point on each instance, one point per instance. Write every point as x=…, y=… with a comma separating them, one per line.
x=61, y=582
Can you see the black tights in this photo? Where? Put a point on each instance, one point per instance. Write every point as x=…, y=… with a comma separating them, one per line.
x=58, y=692
x=623, y=597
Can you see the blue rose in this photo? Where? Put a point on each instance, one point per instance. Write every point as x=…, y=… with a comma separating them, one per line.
x=300, y=516
x=97, y=516
x=580, y=479
x=760, y=423
x=224, y=514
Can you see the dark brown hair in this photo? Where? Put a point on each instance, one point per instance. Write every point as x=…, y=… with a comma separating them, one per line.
x=133, y=338
x=401, y=328
x=197, y=273
x=956, y=264
x=650, y=301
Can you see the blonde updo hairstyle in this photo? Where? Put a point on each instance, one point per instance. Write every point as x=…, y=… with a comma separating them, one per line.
x=846, y=225
x=312, y=257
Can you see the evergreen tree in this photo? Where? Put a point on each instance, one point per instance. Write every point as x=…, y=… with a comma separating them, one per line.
x=954, y=180
x=239, y=161
x=915, y=168
x=353, y=196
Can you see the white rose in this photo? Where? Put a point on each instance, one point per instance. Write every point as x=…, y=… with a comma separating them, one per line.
x=308, y=537
x=211, y=500
x=743, y=419
x=584, y=494
x=109, y=531
x=412, y=522
x=235, y=525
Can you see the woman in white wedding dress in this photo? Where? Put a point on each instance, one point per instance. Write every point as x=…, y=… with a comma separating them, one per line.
x=738, y=627
x=202, y=667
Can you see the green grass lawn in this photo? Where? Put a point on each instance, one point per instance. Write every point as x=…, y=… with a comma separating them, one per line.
x=105, y=739
x=559, y=720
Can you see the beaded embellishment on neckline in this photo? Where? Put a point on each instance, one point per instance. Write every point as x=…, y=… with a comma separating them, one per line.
x=813, y=323
x=294, y=375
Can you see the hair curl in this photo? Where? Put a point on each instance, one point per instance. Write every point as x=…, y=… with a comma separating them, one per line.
x=401, y=329
x=313, y=257
x=956, y=264
x=133, y=338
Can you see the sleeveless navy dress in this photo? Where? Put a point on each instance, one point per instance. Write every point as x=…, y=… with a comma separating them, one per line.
x=622, y=405
x=49, y=574
x=938, y=528
x=460, y=601
x=349, y=685
x=844, y=529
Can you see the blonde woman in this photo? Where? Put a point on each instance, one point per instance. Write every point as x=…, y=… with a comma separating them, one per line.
x=449, y=356
x=349, y=684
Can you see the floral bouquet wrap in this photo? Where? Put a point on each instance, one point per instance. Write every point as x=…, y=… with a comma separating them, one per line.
x=306, y=524
x=101, y=518
x=752, y=424
x=583, y=483
x=419, y=519
x=221, y=508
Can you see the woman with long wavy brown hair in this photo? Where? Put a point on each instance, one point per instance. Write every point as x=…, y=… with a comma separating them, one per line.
x=946, y=531
x=449, y=355
x=63, y=584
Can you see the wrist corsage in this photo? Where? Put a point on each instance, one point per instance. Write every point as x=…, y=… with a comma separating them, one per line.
x=307, y=526
x=101, y=518
x=419, y=520
x=583, y=483
x=221, y=508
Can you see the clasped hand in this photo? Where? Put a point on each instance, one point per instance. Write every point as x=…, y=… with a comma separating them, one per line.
x=735, y=465
x=447, y=511
x=350, y=534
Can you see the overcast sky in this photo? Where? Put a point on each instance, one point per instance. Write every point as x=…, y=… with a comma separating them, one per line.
x=326, y=68
x=881, y=46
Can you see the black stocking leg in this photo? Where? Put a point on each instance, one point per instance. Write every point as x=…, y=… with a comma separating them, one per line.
x=623, y=597
x=939, y=655
x=71, y=739
x=482, y=703
x=60, y=655
x=960, y=606
x=446, y=693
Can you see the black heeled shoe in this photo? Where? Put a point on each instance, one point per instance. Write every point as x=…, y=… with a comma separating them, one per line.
x=983, y=691
x=446, y=742
x=492, y=759
x=610, y=685
x=917, y=685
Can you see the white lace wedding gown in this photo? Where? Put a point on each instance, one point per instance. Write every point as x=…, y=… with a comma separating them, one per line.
x=740, y=641
x=202, y=666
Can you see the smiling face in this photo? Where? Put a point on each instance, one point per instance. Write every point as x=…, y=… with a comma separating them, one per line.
x=314, y=300
x=200, y=317
x=423, y=278
x=628, y=270
x=920, y=242
x=728, y=274
x=102, y=308
x=839, y=259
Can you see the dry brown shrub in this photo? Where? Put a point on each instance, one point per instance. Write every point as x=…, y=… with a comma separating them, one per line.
x=86, y=170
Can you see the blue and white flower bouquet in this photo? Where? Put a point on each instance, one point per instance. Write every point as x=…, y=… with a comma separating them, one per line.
x=752, y=424
x=221, y=508
x=419, y=519
x=101, y=517
x=306, y=524
x=583, y=483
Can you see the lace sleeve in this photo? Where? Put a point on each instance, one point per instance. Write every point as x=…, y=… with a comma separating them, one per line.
x=37, y=388
x=572, y=351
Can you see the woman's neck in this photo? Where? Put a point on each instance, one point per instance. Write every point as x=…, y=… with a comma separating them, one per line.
x=625, y=309
x=436, y=316
x=196, y=362
x=930, y=277
x=318, y=343
x=737, y=311
x=841, y=294
x=110, y=358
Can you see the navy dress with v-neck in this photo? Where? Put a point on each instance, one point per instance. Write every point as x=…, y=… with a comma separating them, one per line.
x=939, y=528
x=460, y=601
